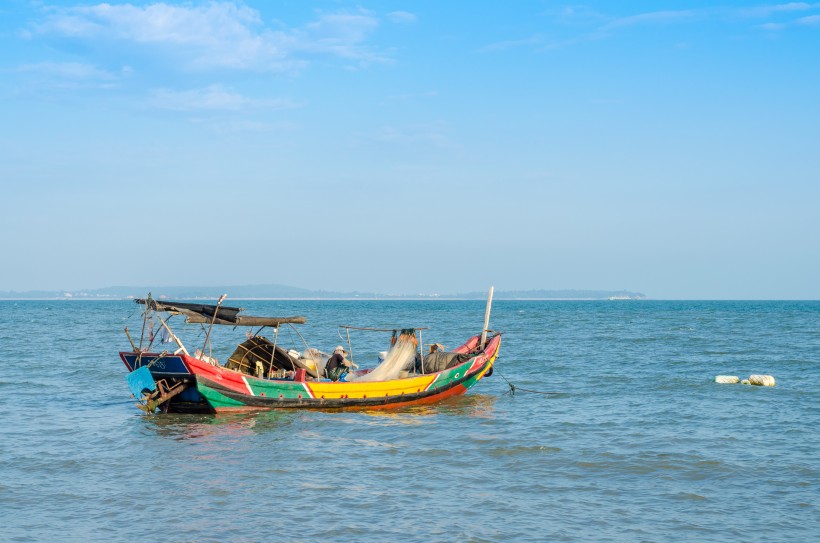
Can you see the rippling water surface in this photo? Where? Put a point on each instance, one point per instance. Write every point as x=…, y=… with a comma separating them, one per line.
x=639, y=445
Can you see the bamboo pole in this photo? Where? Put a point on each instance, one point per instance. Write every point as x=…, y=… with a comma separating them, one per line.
x=208, y=335
x=350, y=346
x=144, y=319
x=486, y=318
x=273, y=352
x=173, y=335
x=421, y=354
x=134, y=347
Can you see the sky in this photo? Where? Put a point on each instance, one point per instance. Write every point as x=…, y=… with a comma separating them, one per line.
x=670, y=148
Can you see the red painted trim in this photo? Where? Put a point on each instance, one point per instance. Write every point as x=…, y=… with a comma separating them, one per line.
x=122, y=357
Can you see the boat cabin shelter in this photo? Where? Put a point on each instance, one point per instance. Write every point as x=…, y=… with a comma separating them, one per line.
x=258, y=355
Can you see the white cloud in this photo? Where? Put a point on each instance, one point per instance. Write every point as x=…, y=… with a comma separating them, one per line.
x=217, y=34
x=811, y=20
x=401, y=17
x=652, y=18
x=510, y=44
x=338, y=34
x=74, y=74
x=68, y=70
x=154, y=23
x=769, y=10
x=772, y=27
x=213, y=98
x=603, y=26
x=575, y=14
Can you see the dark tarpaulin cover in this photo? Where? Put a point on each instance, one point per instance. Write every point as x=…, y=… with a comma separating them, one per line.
x=224, y=312
x=440, y=361
x=205, y=314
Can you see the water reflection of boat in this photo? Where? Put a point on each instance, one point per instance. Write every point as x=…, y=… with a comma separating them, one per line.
x=207, y=427
x=203, y=426
x=261, y=374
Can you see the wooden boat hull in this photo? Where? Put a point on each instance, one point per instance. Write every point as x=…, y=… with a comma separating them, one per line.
x=220, y=389
x=172, y=369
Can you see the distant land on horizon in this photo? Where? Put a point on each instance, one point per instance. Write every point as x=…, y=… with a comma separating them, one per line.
x=293, y=293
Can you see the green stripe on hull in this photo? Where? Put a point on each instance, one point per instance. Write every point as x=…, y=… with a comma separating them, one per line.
x=470, y=382
x=444, y=379
x=291, y=390
x=216, y=399
x=457, y=373
x=273, y=390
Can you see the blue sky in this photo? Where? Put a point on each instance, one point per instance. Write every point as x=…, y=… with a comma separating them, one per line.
x=401, y=147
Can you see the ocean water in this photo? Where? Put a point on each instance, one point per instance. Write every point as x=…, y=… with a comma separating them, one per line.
x=638, y=444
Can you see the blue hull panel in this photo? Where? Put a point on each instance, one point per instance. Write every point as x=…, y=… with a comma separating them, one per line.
x=167, y=366
x=171, y=368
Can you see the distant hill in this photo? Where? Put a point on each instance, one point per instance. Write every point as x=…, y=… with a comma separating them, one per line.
x=571, y=294
x=294, y=293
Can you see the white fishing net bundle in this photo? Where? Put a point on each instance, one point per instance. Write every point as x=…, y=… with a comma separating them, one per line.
x=399, y=357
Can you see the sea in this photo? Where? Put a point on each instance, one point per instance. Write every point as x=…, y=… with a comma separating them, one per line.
x=615, y=430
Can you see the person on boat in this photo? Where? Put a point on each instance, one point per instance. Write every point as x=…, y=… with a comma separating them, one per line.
x=337, y=367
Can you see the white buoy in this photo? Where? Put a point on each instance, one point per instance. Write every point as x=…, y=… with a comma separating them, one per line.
x=762, y=380
x=727, y=379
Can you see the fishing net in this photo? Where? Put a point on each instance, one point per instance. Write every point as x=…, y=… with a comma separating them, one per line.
x=401, y=355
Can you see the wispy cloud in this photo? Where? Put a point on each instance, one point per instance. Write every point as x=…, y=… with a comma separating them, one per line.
x=68, y=70
x=74, y=74
x=576, y=14
x=213, y=98
x=783, y=15
x=574, y=24
x=774, y=9
x=772, y=27
x=511, y=44
x=811, y=20
x=597, y=26
x=217, y=34
x=654, y=17
x=401, y=17
x=338, y=34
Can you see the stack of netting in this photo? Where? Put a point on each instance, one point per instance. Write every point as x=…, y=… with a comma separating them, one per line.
x=402, y=353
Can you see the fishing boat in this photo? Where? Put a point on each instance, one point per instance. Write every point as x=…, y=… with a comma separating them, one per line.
x=262, y=374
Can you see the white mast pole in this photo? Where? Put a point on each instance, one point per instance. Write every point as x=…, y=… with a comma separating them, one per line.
x=208, y=335
x=486, y=318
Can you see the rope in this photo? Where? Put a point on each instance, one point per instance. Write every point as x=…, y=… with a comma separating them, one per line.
x=162, y=355
x=300, y=335
x=513, y=388
x=156, y=359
